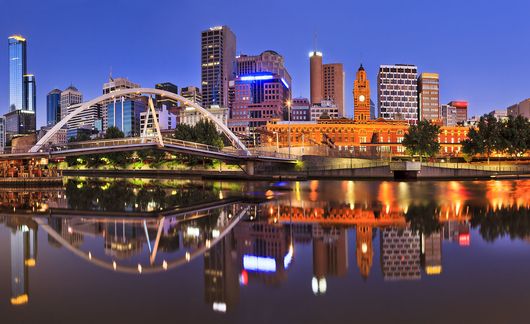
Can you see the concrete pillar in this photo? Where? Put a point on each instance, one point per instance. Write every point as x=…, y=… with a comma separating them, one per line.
x=250, y=167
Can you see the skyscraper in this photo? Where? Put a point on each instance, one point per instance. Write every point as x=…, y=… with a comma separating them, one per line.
x=333, y=85
x=17, y=71
x=268, y=61
x=2, y=134
x=53, y=107
x=361, y=96
x=192, y=93
x=429, y=96
x=316, y=77
x=115, y=84
x=169, y=103
x=400, y=254
x=218, y=64
x=31, y=93
x=70, y=96
x=397, y=92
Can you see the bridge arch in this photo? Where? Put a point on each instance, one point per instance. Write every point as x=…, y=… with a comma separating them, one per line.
x=236, y=142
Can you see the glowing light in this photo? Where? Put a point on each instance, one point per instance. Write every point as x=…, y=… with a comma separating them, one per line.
x=311, y=54
x=188, y=256
x=193, y=231
x=219, y=307
x=256, y=77
x=364, y=247
x=164, y=265
x=288, y=257
x=259, y=264
x=433, y=270
x=285, y=84
x=464, y=239
x=243, y=278
x=319, y=286
x=20, y=300
x=139, y=268
x=215, y=233
x=90, y=255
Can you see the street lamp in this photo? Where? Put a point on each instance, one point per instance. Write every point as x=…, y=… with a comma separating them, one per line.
x=351, y=158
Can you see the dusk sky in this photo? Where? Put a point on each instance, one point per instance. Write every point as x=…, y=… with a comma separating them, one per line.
x=480, y=48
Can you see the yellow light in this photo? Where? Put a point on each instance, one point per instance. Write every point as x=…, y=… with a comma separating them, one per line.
x=20, y=300
x=364, y=248
x=433, y=270
x=18, y=38
x=164, y=265
x=30, y=262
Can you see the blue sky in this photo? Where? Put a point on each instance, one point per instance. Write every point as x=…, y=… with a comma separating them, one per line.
x=480, y=48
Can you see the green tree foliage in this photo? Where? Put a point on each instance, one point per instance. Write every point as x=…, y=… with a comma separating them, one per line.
x=203, y=132
x=422, y=139
x=114, y=132
x=81, y=137
x=511, y=137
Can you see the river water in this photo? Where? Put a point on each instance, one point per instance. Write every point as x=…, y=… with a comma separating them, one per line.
x=182, y=251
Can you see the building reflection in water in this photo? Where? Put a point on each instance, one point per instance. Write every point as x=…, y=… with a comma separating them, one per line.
x=261, y=248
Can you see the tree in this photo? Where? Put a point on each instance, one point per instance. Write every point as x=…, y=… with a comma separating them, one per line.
x=422, y=139
x=114, y=132
x=485, y=138
x=514, y=136
x=203, y=132
x=185, y=132
x=81, y=137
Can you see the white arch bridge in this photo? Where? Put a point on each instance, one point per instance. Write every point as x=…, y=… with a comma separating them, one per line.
x=237, y=152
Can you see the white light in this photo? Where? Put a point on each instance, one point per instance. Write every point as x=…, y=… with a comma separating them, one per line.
x=261, y=264
x=322, y=285
x=193, y=231
x=114, y=264
x=188, y=256
x=139, y=268
x=219, y=307
x=164, y=265
x=364, y=248
x=215, y=233
x=288, y=257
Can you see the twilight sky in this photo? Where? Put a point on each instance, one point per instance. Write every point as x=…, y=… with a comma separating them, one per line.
x=480, y=48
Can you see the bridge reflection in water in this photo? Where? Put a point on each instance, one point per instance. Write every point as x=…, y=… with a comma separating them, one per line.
x=242, y=242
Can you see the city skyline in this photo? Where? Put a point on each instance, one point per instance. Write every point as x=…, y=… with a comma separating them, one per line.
x=466, y=75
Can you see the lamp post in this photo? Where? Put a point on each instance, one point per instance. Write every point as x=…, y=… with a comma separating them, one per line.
x=351, y=158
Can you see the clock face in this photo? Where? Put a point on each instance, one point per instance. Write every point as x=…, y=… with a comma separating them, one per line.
x=361, y=98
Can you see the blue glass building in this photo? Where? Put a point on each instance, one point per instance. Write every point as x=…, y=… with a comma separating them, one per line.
x=124, y=114
x=17, y=71
x=53, y=107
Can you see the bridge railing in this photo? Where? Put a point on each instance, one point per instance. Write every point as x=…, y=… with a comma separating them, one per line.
x=493, y=167
x=103, y=143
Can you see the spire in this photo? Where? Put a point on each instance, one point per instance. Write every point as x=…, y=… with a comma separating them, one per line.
x=361, y=68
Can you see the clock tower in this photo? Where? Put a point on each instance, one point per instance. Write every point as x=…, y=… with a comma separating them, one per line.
x=361, y=96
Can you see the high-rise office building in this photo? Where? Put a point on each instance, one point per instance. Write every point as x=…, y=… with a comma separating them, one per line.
x=2, y=134
x=429, y=96
x=461, y=110
x=259, y=98
x=364, y=251
x=432, y=253
x=218, y=64
x=70, y=96
x=520, y=109
x=400, y=254
x=31, y=93
x=268, y=61
x=373, y=110
x=53, y=107
x=397, y=92
x=125, y=114
x=316, y=77
x=333, y=85
x=361, y=96
x=300, y=109
x=113, y=85
x=168, y=102
x=192, y=93
x=17, y=71
x=19, y=122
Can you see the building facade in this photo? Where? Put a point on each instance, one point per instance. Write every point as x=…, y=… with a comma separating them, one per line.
x=19, y=122
x=397, y=92
x=218, y=64
x=334, y=86
x=166, y=120
x=300, y=109
x=113, y=85
x=268, y=61
x=53, y=107
x=87, y=119
x=316, y=77
x=361, y=96
x=168, y=102
x=70, y=96
x=461, y=110
x=448, y=115
x=400, y=254
x=190, y=116
x=124, y=114
x=2, y=134
x=259, y=98
x=520, y=109
x=17, y=70
x=360, y=137
x=31, y=92
x=429, y=96
x=192, y=93
x=325, y=109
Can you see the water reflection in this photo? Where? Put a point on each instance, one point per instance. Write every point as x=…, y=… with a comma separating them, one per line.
x=151, y=228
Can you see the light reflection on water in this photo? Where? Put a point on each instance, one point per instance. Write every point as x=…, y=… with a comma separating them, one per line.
x=240, y=238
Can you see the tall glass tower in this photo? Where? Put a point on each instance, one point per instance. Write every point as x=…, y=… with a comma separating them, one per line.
x=17, y=71
x=53, y=107
x=31, y=92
